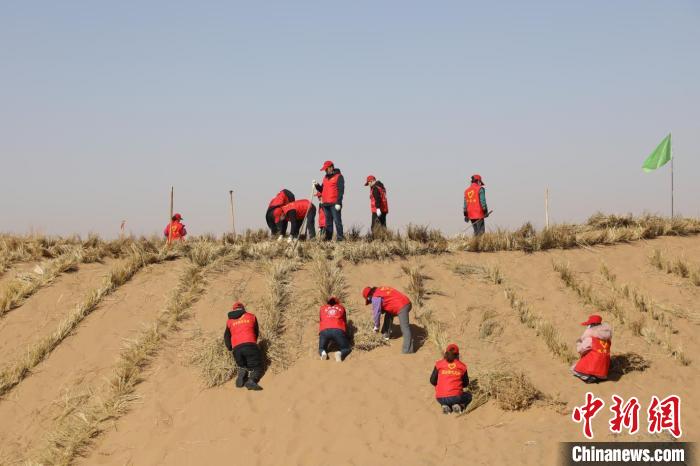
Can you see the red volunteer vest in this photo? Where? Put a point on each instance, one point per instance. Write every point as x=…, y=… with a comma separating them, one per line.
x=597, y=361
x=384, y=204
x=329, y=195
x=449, y=378
x=279, y=200
x=301, y=207
x=475, y=211
x=392, y=300
x=176, y=231
x=332, y=317
x=242, y=329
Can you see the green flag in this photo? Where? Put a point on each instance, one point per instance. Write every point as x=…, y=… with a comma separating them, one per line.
x=660, y=156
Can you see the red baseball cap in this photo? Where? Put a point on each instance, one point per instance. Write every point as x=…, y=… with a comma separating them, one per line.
x=370, y=178
x=477, y=177
x=326, y=164
x=593, y=319
x=238, y=305
x=365, y=293
x=453, y=348
x=177, y=217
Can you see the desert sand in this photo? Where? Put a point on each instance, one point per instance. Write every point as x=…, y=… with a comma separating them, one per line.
x=377, y=407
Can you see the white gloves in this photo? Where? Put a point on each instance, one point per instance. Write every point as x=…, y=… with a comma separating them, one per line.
x=279, y=238
x=376, y=329
x=289, y=240
x=314, y=182
x=338, y=207
x=379, y=212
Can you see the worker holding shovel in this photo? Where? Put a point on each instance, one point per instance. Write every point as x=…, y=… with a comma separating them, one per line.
x=475, y=209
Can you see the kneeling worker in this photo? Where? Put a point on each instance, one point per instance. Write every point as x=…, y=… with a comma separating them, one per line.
x=295, y=212
x=241, y=337
x=390, y=302
x=594, y=348
x=450, y=378
x=333, y=327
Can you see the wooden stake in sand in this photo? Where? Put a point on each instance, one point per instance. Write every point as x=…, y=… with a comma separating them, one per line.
x=121, y=229
x=233, y=218
x=170, y=219
x=546, y=208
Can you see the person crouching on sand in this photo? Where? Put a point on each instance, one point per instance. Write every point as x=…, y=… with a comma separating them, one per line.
x=241, y=338
x=390, y=302
x=333, y=327
x=450, y=378
x=594, y=348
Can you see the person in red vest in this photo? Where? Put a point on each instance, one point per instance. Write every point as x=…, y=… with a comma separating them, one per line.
x=274, y=211
x=332, y=327
x=390, y=302
x=378, y=203
x=450, y=378
x=295, y=212
x=332, y=191
x=594, y=348
x=475, y=209
x=321, y=215
x=175, y=230
x=241, y=338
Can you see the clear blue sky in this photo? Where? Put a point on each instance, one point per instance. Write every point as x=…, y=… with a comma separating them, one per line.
x=104, y=105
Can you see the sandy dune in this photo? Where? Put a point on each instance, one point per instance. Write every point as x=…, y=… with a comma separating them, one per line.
x=376, y=407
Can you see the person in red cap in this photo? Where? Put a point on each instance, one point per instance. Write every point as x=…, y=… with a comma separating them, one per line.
x=321, y=214
x=295, y=212
x=390, y=302
x=241, y=338
x=594, y=348
x=450, y=378
x=475, y=209
x=175, y=230
x=332, y=191
x=274, y=211
x=332, y=327
x=378, y=203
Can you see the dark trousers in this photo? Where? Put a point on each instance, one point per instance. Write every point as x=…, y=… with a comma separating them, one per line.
x=479, y=226
x=333, y=216
x=334, y=335
x=249, y=357
x=310, y=223
x=378, y=220
x=275, y=228
x=463, y=400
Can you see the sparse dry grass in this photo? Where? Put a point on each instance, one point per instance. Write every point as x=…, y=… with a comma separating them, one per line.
x=119, y=274
x=624, y=363
x=639, y=326
x=677, y=266
x=74, y=434
x=489, y=326
x=416, y=289
x=511, y=390
x=214, y=361
x=272, y=318
x=418, y=292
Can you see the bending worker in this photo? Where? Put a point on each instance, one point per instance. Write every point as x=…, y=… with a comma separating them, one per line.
x=241, y=338
x=450, y=378
x=475, y=209
x=594, y=348
x=390, y=302
x=274, y=211
x=332, y=327
x=377, y=201
x=295, y=212
x=332, y=191
x=175, y=231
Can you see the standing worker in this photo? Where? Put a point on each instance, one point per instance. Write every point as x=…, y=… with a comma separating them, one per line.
x=175, y=231
x=377, y=201
x=390, y=302
x=241, y=337
x=332, y=191
x=594, y=348
x=295, y=212
x=274, y=210
x=450, y=378
x=475, y=209
x=332, y=327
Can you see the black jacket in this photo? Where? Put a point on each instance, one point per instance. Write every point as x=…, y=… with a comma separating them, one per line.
x=376, y=194
x=227, y=334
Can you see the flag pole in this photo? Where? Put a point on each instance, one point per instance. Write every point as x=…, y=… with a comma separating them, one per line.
x=546, y=208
